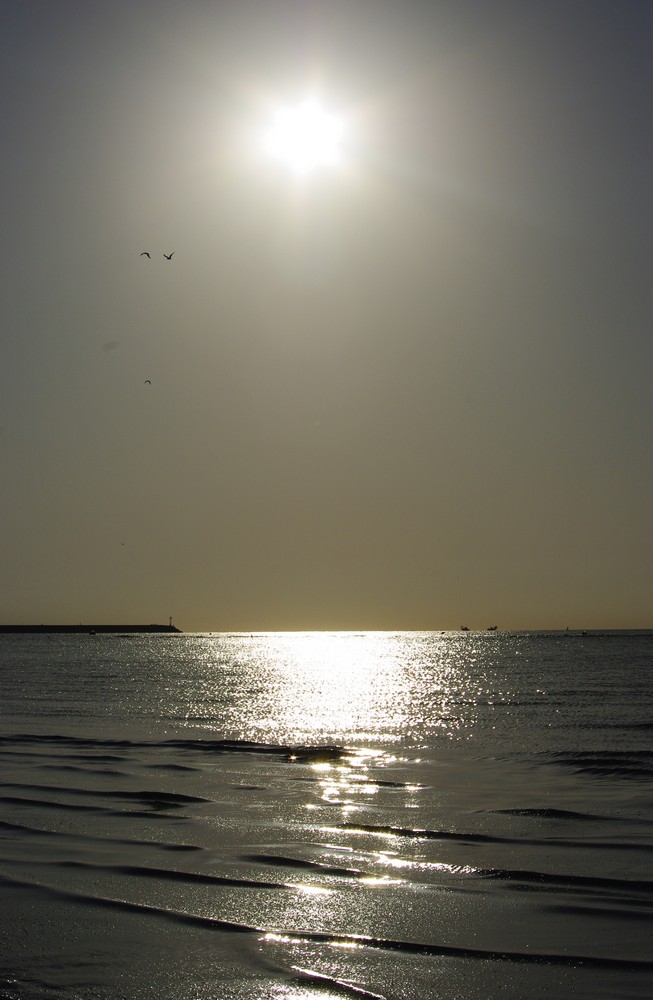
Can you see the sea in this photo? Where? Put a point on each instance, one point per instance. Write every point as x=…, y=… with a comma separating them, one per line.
x=398, y=815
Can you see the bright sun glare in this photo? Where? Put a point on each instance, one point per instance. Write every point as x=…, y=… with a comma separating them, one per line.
x=304, y=137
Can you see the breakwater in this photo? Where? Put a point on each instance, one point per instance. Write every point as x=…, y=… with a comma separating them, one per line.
x=45, y=629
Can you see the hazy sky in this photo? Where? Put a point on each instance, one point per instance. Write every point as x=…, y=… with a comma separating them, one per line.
x=412, y=391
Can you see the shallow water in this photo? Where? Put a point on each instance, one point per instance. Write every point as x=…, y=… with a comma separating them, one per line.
x=293, y=815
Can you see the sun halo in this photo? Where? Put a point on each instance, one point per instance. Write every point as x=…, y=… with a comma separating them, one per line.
x=304, y=137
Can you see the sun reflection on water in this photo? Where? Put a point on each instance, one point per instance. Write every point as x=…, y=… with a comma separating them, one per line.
x=337, y=688
x=340, y=679
x=333, y=685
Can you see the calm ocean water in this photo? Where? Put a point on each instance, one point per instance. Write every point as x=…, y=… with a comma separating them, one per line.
x=397, y=815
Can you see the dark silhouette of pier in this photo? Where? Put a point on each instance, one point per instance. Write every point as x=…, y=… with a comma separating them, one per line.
x=97, y=629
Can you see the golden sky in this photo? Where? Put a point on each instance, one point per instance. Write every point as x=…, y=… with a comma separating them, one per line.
x=411, y=389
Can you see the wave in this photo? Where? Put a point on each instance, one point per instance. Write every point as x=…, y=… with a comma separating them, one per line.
x=163, y=874
x=339, y=940
x=276, y=860
x=301, y=753
x=23, y=831
x=548, y=813
x=615, y=764
x=485, y=838
x=158, y=800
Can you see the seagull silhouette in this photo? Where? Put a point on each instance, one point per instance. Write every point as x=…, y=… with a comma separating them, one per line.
x=147, y=382
x=168, y=256
x=145, y=254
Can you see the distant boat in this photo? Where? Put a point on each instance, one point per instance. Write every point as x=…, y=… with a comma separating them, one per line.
x=492, y=628
x=464, y=628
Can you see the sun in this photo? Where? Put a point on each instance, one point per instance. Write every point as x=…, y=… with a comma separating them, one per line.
x=304, y=137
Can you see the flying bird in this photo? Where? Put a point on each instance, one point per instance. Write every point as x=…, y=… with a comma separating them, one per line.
x=168, y=256
x=145, y=254
x=147, y=382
